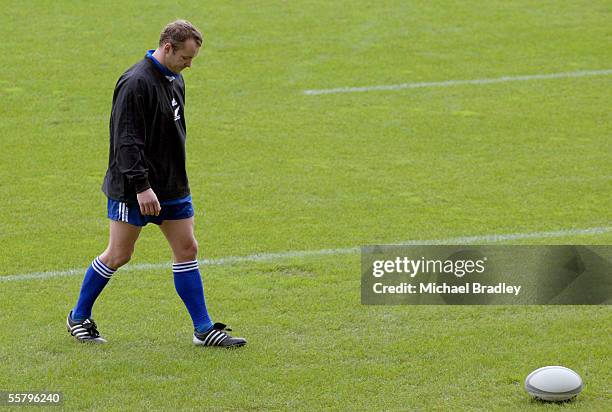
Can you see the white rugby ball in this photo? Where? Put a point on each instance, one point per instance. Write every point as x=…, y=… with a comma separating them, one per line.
x=553, y=383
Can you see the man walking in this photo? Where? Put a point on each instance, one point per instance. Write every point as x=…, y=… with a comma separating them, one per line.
x=146, y=181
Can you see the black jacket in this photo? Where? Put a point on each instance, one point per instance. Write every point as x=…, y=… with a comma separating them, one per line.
x=147, y=136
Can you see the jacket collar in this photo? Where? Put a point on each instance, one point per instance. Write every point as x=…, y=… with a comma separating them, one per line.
x=169, y=75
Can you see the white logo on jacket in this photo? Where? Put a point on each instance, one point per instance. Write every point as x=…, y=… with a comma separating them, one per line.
x=177, y=116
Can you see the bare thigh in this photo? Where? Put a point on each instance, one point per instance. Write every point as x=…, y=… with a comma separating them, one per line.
x=122, y=238
x=181, y=238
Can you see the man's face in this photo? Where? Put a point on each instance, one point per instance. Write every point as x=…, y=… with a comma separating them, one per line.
x=177, y=60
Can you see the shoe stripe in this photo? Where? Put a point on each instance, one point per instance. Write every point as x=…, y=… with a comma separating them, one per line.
x=220, y=339
x=78, y=330
x=215, y=337
x=214, y=340
x=204, y=341
x=209, y=337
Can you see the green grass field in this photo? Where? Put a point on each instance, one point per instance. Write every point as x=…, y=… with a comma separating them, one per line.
x=274, y=170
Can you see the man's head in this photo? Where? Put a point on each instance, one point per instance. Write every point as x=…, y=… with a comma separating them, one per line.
x=179, y=43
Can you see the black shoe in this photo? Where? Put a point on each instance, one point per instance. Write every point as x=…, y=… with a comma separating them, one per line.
x=84, y=331
x=217, y=337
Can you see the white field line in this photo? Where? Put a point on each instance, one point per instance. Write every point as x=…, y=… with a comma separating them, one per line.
x=264, y=257
x=582, y=73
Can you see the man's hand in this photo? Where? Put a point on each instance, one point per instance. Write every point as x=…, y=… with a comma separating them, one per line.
x=149, y=205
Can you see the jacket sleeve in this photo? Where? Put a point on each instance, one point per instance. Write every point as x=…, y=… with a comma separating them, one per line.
x=129, y=123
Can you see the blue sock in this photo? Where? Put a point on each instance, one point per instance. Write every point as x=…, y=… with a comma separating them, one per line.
x=188, y=284
x=96, y=277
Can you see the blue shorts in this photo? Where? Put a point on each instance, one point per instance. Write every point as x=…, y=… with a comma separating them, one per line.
x=130, y=212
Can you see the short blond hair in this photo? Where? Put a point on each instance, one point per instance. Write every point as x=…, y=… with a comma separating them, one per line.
x=177, y=32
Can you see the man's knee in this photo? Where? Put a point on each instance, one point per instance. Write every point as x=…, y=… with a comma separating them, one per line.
x=116, y=258
x=188, y=251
